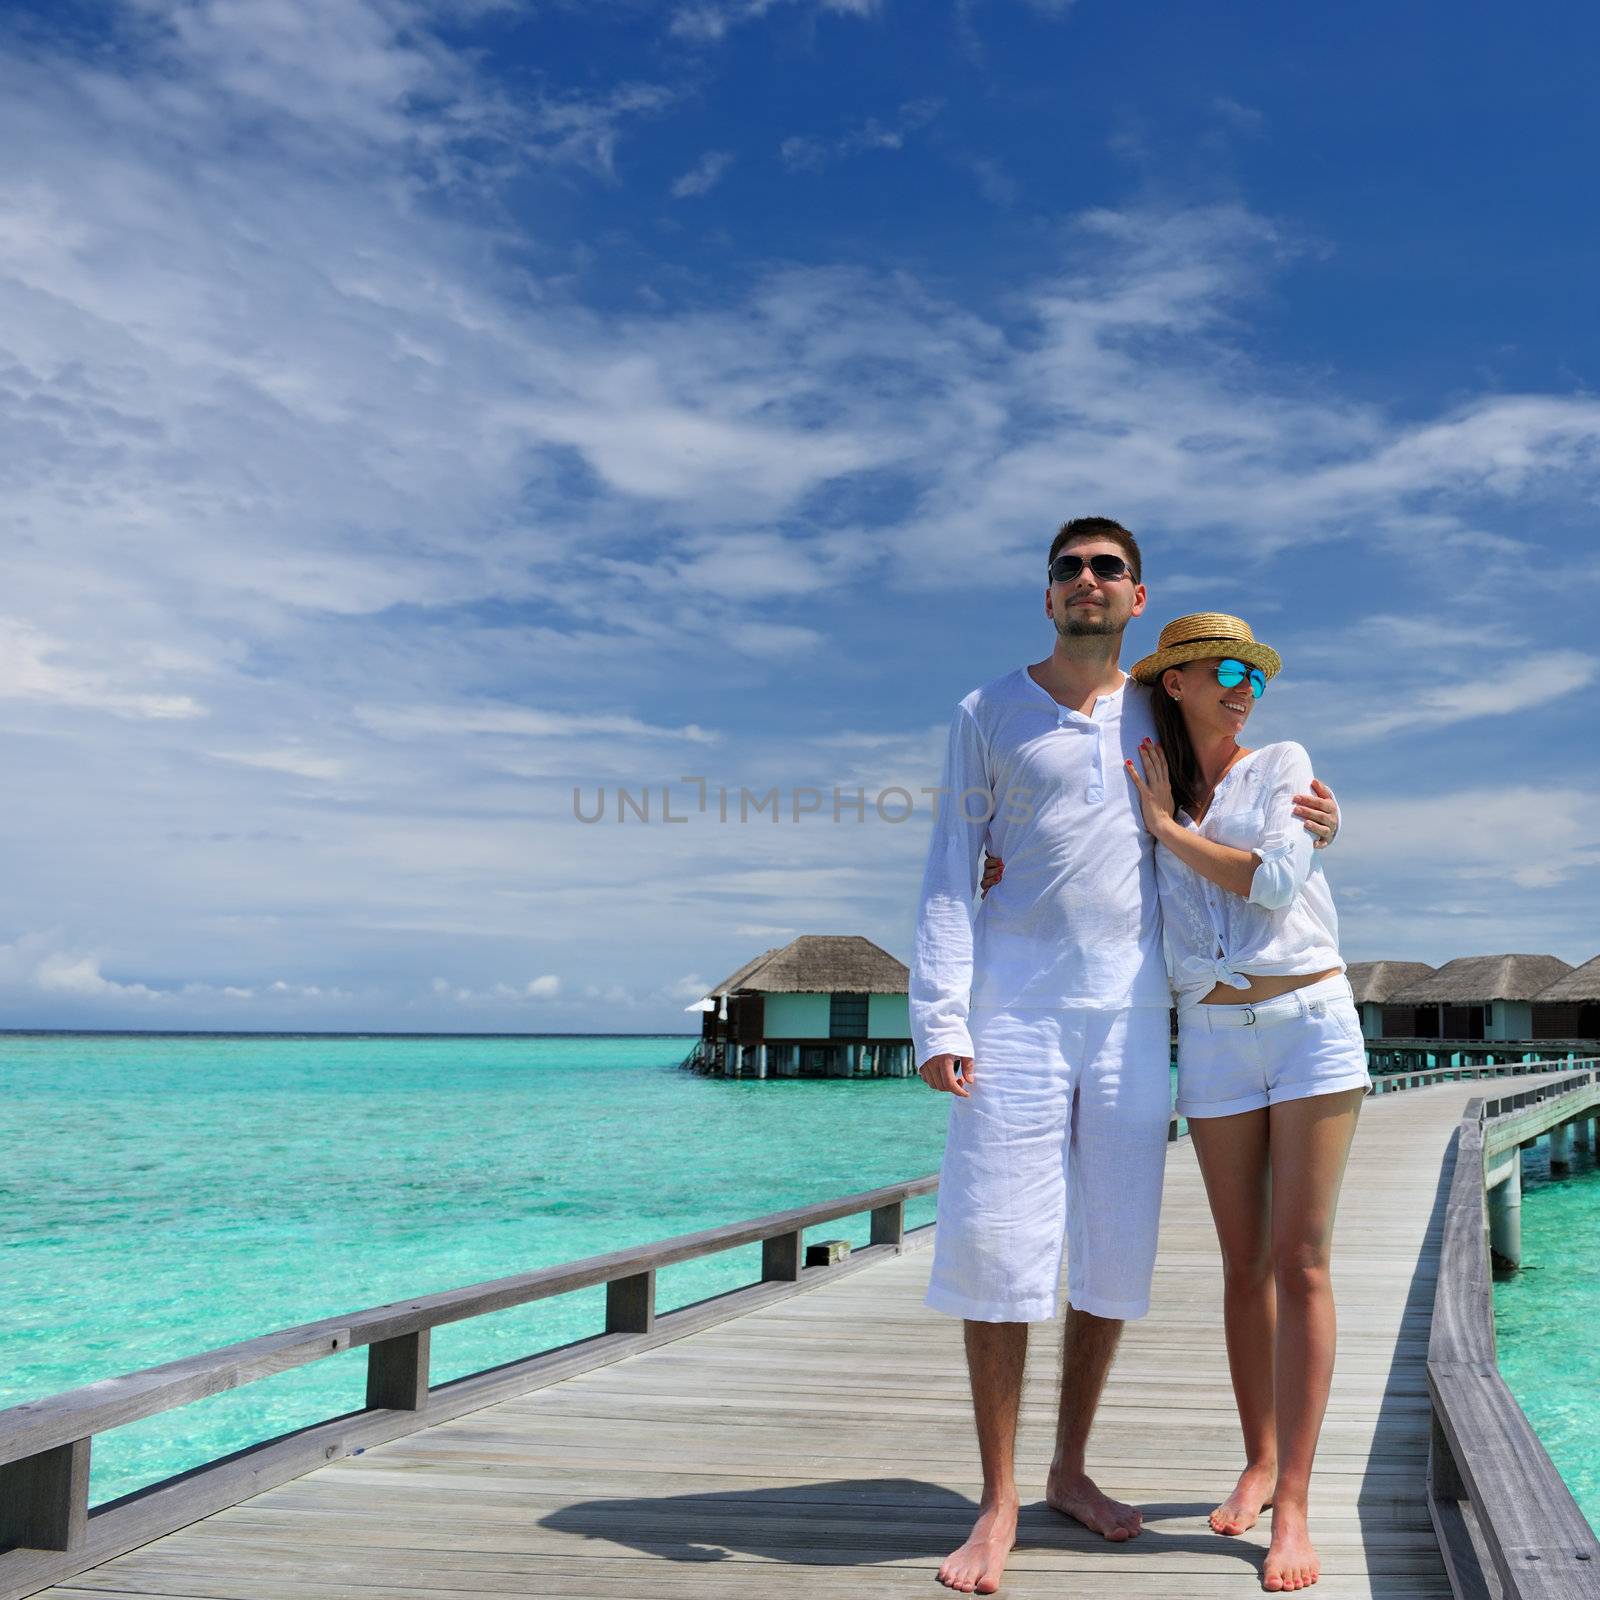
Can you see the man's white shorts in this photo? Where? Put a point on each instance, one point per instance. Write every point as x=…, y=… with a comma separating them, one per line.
x=1062, y=1142
x=1243, y=1057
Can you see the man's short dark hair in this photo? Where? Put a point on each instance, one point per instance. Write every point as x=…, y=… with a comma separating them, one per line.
x=1098, y=528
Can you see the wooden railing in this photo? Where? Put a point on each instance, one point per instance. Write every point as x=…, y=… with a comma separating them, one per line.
x=1402, y=1055
x=48, y=1531
x=1390, y=1082
x=1507, y=1523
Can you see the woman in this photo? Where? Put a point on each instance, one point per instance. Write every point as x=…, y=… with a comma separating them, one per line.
x=1271, y=1064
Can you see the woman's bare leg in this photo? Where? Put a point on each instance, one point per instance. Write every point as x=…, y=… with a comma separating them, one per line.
x=1309, y=1145
x=1233, y=1154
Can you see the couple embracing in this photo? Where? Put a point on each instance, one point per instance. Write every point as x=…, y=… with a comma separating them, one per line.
x=1137, y=850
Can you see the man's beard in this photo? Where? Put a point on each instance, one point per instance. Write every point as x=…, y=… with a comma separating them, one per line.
x=1093, y=620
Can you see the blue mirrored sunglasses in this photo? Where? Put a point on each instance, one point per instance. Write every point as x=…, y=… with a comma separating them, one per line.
x=1231, y=672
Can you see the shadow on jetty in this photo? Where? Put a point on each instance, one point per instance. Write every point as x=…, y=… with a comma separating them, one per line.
x=859, y=1522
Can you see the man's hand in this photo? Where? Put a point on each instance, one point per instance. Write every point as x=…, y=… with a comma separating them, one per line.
x=1320, y=813
x=994, y=869
x=948, y=1074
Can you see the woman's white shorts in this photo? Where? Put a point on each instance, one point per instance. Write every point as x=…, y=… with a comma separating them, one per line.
x=1063, y=1142
x=1240, y=1058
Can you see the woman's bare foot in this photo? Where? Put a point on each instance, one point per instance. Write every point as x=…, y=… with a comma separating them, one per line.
x=1242, y=1508
x=1078, y=1497
x=1291, y=1560
x=976, y=1567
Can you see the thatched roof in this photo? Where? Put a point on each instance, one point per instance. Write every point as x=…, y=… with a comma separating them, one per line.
x=1375, y=981
x=1475, y=980
x=821, y=963
x=1582, y=983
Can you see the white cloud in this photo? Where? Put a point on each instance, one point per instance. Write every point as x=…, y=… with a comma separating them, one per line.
x=1514, y=686
x=361, y=67
x=1388, y=674
x=995, y=184
x=809, y=153
x=1528, y=837
x=545, y=987
x=404, y=722
x=34, y=963
x=775, y=640
x=710, y=21
x=30, y=669
x=584, y=130
x=297, y=763
x=47, y=969
x=703, y=176
x=281, y=990
x=1240, y=117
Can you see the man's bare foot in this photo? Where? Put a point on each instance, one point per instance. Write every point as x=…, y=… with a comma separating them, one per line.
x=976, y=1567
x=1077, y=1497
x=1291, y=1559
x=1242, y=1508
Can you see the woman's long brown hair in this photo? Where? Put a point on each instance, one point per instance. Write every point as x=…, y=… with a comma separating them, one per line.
x=1173, y=737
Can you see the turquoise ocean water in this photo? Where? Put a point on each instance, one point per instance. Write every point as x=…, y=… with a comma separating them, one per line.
x=163, y=1196
x=1547, y=1318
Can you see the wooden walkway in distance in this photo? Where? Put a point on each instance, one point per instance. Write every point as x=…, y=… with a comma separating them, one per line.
x=824, y=1445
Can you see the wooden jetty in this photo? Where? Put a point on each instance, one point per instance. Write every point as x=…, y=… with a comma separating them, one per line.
x=811, y=1434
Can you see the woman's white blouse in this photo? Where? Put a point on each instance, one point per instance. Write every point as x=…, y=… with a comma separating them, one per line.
x=1288, y=925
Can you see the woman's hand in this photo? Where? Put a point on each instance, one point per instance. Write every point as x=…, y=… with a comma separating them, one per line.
x=1154, y=785
x=1320, y=813
x=994, y=869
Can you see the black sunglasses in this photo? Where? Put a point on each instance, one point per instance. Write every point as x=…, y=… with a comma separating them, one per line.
x=1065, y=568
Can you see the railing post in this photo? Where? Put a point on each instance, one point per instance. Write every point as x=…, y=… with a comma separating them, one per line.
x=631, y=1303
x=1561, y=1148
x=44, y=1499
x=1444, y=1476
x=889, y=1224
x=1505, y=1216
x=781, y=1257
x=397, y=1372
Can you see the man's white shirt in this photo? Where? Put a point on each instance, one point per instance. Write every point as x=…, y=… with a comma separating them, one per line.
x=1075, y=921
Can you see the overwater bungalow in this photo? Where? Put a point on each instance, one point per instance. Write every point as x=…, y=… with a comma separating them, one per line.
x=1374, y=982
x=1473, y=998
x=823, y=1005
x=1570, y=1007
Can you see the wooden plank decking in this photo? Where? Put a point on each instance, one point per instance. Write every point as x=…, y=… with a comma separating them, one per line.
x=824, y=1445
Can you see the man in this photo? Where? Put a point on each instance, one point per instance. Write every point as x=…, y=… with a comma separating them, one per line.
x=1048, y=1021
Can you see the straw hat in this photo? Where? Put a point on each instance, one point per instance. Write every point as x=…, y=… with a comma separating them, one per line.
x=1202, y=635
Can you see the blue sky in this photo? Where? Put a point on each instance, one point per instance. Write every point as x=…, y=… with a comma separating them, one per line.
x=410, y=414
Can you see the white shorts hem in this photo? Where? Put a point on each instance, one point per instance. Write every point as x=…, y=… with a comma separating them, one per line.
x=1035, y=1309
x=1111, y=1310
x=1196, y=1110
